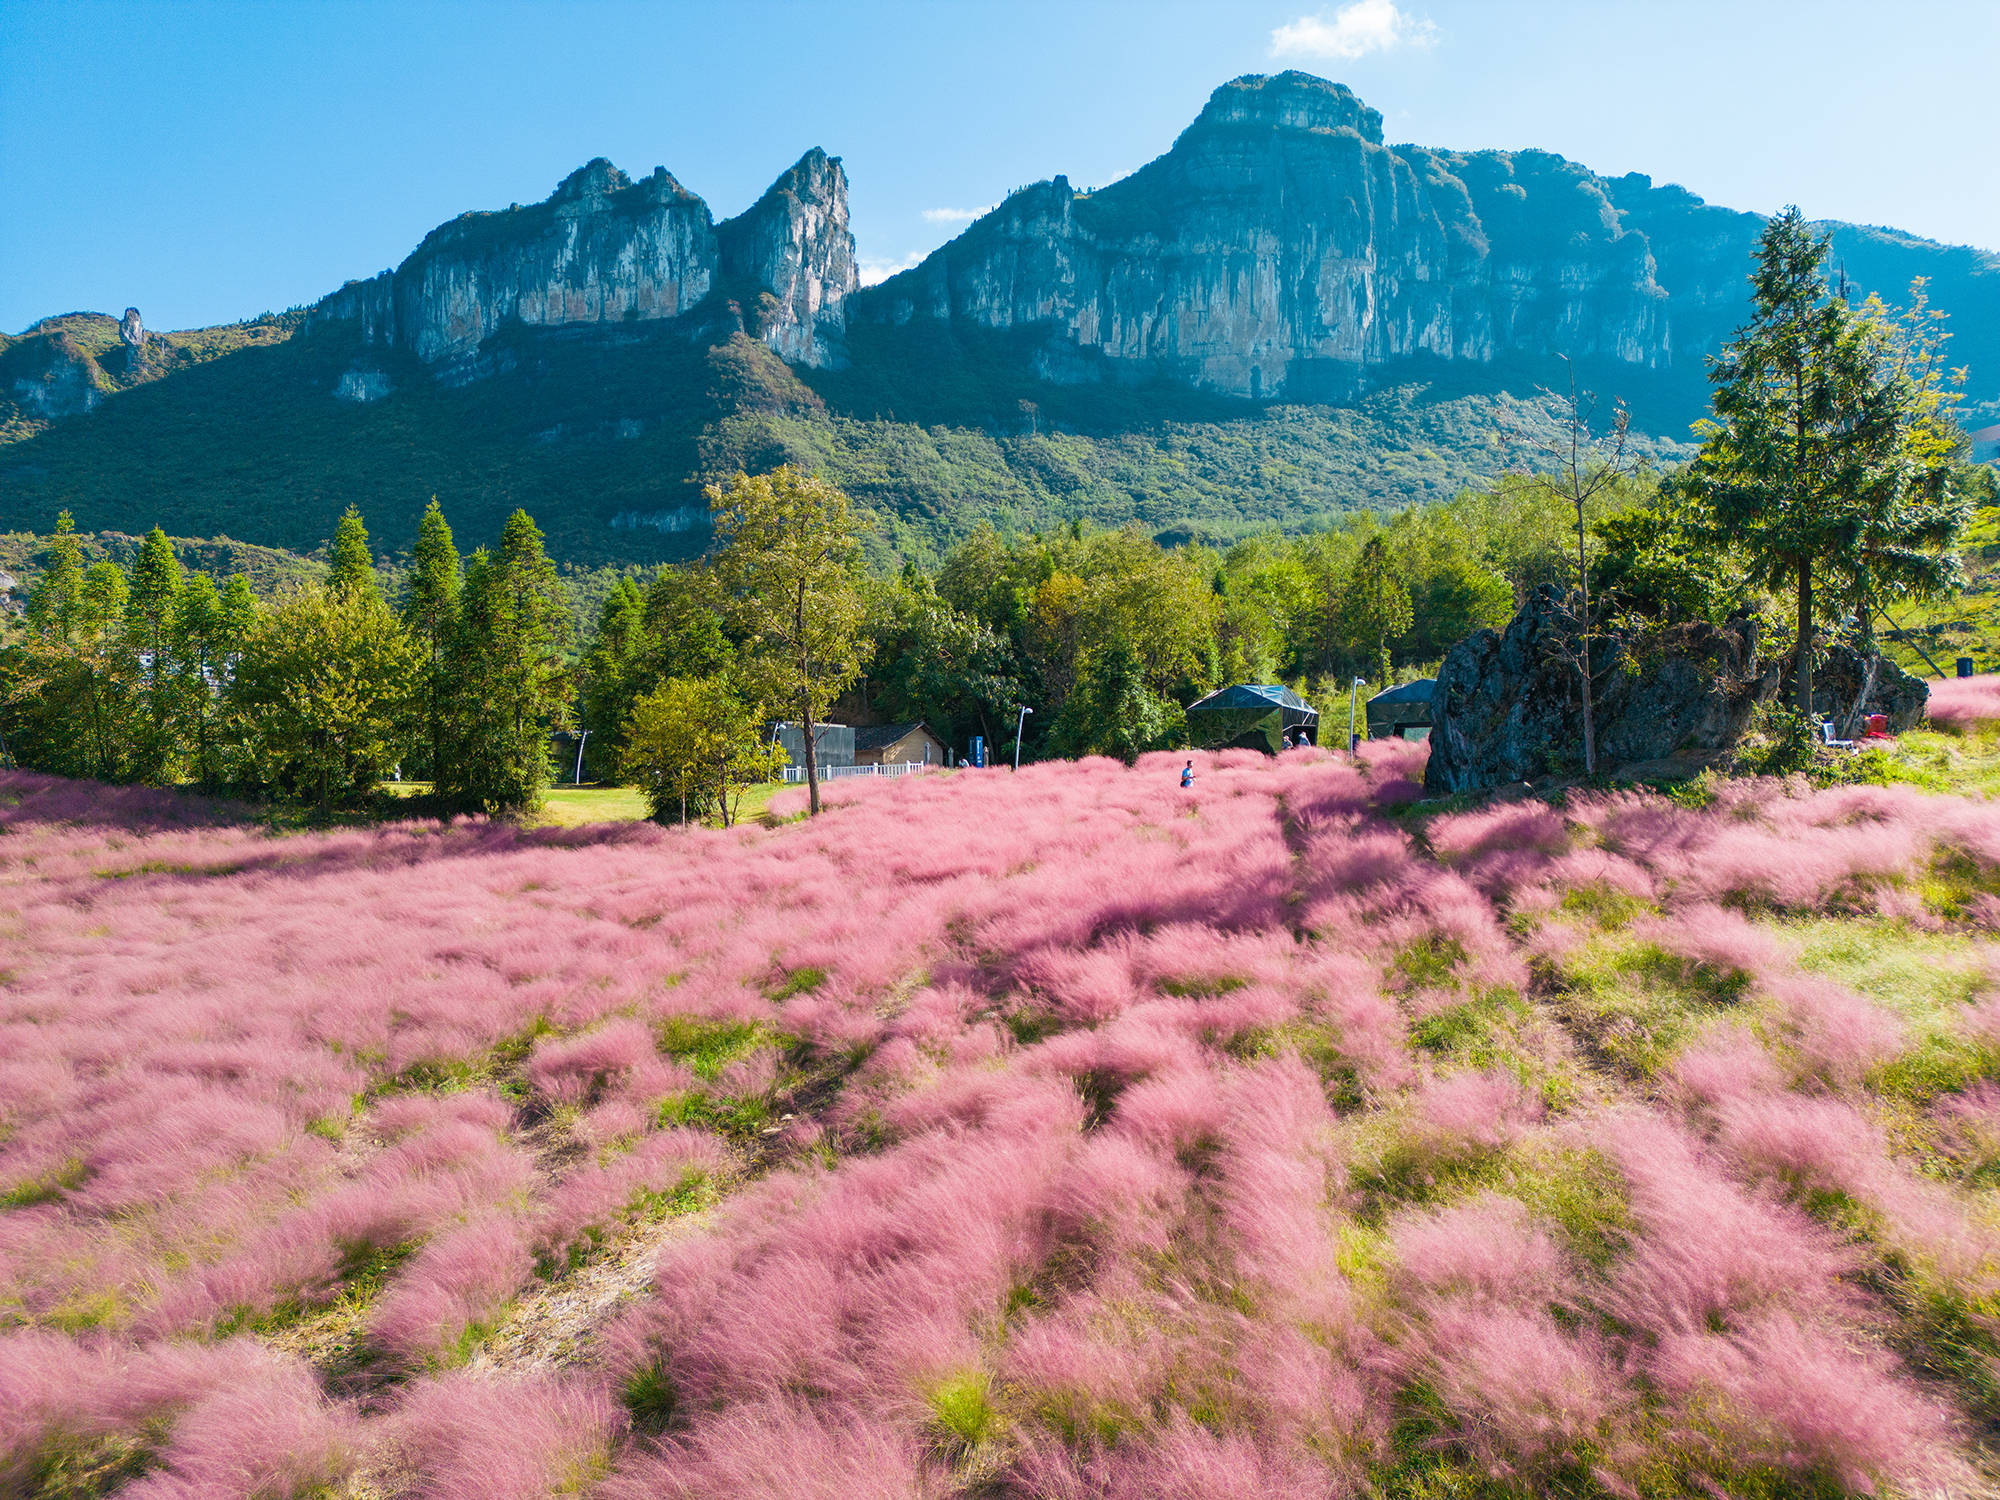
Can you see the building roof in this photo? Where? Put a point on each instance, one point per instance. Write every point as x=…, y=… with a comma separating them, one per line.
x=1409, y=692
x=1252, y=695
x=882, y=736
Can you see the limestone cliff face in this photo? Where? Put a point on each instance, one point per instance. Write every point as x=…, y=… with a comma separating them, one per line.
x=1280, y=248
x=605, y=250
x=795, y=244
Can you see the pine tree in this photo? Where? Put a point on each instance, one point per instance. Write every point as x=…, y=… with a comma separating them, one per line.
x=509, y=678
x=1825, y=463
x=151, y=612
x=350, y=566
x=430, y=613
x=200, y=626
x=609, y=676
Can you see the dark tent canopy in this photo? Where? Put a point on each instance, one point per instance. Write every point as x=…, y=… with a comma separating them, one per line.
x=1402, y=712
x=1250, y=716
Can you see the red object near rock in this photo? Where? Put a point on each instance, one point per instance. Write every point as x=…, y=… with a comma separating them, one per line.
x=1878, y=724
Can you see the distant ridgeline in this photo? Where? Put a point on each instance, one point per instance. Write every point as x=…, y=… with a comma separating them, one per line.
x=1279, y=319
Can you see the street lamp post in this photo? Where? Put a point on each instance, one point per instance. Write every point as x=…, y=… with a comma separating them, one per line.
x=1019, y=719
x=581, y=737
x=1353, y=693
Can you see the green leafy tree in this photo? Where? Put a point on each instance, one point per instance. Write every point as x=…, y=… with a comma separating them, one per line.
x=789, y=560
x=350, y=565
x=152, y=611
x=510, y=678
x=1114, y=712
x=609, y=679
x=937, y=664
x=430, y=614
x=210, y=630
x=324, y=688
x=1377, y=604
x=1829, y=461
x=68, y=684
x=693, y=744
x=73, y=689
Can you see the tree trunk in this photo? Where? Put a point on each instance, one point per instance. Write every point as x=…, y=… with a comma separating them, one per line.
x=1805, y=683
x=1583, y=648
x=805, y=705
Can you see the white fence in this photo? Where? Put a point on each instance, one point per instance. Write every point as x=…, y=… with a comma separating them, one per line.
x=797, y=774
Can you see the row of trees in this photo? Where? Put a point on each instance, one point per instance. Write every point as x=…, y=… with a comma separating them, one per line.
x=1831, y=473
x=316, y=696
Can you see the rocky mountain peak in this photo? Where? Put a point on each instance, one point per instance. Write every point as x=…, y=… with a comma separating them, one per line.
x=1290, y=101
x=603, y=249
x=795, y=243
x=590, y=183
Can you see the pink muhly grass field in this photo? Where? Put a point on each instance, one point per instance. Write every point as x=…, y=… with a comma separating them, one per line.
x=1063, y=1133
x=1958, y=703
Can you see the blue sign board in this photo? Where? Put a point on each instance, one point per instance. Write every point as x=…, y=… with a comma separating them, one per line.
x=979, y=749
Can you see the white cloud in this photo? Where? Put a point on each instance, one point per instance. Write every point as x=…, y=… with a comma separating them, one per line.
x=872, y=271
x=1355, y=31
x=956, y=215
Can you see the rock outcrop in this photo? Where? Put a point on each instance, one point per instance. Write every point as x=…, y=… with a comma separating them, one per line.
x=1281, y=249
x=1508, y=706
x=132, y=334
x=56, y=377
x=1842, y=678
x=604, y=250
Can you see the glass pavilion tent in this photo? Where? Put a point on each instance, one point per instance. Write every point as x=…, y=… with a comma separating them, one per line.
x=1402, y=713
x=1251, y=716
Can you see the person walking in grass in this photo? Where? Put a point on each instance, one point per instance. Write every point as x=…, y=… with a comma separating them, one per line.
x=1187, y=775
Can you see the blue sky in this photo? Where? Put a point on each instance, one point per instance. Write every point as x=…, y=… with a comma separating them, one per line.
x=206, y=162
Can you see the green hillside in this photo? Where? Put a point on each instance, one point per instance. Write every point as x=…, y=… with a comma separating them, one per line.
x=608, y=442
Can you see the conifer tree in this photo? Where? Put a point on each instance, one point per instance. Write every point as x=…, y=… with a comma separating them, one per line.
x=608, y=678
x=151, y=615
x=350, y=566
x=509, y=678
x=200, y=626
x=430, y=613
x=1828, y=462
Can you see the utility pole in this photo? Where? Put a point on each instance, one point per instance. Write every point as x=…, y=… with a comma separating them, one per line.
x=1353, y=694
x=1019, y=719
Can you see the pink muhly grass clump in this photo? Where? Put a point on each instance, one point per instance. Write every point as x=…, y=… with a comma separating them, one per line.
x=593, y=1197
x=464, y=1438
x=1728, y=1063
x=1481, y=1110
x=1278, y=1177
x=1958, y=703
x=1840, y=1036
x=1704, y=1249
x=1179, y=1461
x=575, y=1069
x=1717, y=938
x=1792, y=1396
x=452, y=1285
x=1813, y=1144
x=1172, y=1111
x=781, y=1449
x=1526, y=1394
x=274, y=1436
x=1489, y=1248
